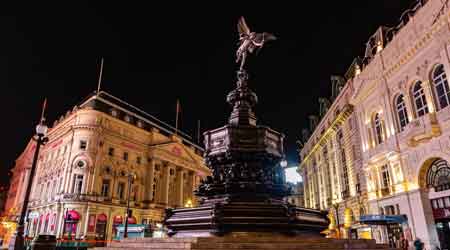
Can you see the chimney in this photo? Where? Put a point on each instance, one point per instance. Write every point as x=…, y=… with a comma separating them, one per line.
x=305, y=135
x=337, y=83
x=324, y=105
x=313, y=121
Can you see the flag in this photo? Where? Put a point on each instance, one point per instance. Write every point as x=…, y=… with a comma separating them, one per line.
x=176, y=117
x=44, y=107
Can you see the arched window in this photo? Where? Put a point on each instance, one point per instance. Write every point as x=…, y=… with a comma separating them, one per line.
x=420, y=101
x=438, y=175
x=441, y=89
x=378, y=128
x=402, y=113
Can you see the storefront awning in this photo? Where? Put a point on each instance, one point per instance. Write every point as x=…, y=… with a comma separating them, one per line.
x=382, y=219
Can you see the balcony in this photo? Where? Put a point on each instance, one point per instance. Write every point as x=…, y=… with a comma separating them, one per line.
x=381, y=149
x=421, y=129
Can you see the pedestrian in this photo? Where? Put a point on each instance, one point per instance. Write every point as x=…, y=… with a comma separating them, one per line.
x=418, y=244
x=404, y=244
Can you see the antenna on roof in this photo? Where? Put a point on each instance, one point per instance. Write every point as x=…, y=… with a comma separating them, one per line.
x=100, y=77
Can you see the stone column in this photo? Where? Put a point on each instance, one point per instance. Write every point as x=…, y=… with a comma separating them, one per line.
x=60, y=221
x=179, y=186
x=165, y=187
x=86, y=221
x=432, y=106
x=148, y=195
x=422, y=214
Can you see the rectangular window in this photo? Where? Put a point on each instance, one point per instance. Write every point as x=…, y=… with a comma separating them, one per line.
x=120, y=190
x=105, y=188
x=111, y=151
x=441, y=203
x=78, y=184
x=447, y=201
x=434, y=204
x=386, y=179
x=125, y=156
x=83, y=145
x=138, y=160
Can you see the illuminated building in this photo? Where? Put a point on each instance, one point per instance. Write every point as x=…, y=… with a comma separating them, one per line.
x=399, y=97
x=81, y=182
x=331, y=160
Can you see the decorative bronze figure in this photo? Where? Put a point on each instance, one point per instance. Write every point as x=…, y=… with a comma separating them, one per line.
x=249, y=41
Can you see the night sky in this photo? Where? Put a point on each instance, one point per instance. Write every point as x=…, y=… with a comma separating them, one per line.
x=155, y=54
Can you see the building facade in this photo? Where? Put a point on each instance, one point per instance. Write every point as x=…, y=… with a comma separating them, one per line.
x=331, y=160
x=99, y=155
x=400, y=98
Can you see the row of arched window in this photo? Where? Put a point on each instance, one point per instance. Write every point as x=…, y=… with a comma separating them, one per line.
x=420, y=106
x=441, y=93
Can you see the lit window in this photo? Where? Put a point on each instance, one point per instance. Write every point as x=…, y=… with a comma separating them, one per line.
x=420, y=101
x=402, y=113
x=114, y=112
x=111, y=151
x=386, y=179
x=120, y=190
x=105, y=188
x=78, y=184
x=441, y=87
x=83, y=145
x=378, y=128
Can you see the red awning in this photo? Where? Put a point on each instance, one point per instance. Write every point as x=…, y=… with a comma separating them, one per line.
x=132, y=220
x=117, y=219
x=102, y=217
x=72, y=215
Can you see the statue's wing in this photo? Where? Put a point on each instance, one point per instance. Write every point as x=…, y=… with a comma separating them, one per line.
x=242, y=27
x=269, y=37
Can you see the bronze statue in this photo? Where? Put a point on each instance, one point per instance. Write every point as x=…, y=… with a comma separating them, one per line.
x=249, y=41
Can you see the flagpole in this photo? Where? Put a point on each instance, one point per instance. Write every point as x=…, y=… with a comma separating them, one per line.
x=44, y=106
x=176, y=116
x=100, y=77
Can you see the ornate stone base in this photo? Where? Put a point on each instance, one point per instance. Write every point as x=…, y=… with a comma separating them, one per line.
x=244, y=242
x=226, y=217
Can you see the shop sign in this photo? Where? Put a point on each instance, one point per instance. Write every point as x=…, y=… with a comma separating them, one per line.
x=441, y=213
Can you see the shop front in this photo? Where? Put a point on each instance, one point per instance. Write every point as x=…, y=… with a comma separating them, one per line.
x=71, y=220
x=441, y=214
x=386, y=229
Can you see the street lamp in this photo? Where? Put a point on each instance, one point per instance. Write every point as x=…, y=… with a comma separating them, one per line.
x=336, y=208
x=17, y=241
x=131, y=176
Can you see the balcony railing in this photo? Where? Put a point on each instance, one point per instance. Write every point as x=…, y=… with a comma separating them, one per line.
x=422, y=128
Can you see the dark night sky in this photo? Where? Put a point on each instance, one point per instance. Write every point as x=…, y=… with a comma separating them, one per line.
x=156, y=54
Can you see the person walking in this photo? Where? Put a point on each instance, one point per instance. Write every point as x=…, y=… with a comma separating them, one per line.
x=404, y=244
x=418, y=244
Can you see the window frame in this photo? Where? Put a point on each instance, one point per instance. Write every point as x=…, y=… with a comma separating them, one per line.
x=378, y=128
x=440, y=81
x=401, y=110
x=419, y=96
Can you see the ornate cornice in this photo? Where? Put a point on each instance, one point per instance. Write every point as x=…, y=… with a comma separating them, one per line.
x=337, y=122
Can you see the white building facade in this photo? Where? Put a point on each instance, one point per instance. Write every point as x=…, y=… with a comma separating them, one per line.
x=99, y=155
x=401, y=102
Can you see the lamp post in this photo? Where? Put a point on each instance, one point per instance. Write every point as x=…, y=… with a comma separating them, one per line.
x=18, y=241
x=336, y=208
x=130, y=177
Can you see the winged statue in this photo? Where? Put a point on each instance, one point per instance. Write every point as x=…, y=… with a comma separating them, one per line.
x=249, y=41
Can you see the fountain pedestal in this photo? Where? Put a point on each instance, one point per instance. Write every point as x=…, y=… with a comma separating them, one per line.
x=246, y=190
